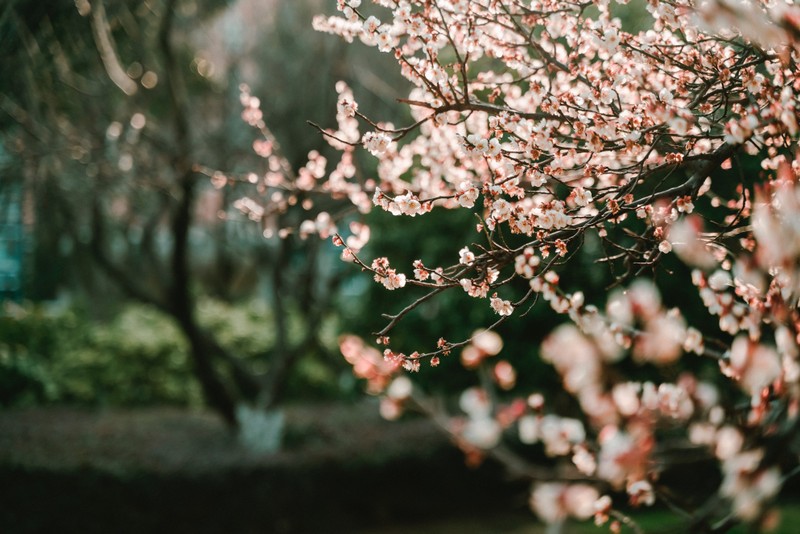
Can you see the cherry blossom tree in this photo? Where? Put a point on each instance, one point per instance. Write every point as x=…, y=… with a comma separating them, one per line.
x=569, y=135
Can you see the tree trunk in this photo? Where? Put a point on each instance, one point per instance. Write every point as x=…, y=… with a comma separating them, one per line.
x=182, y=302
x=214, y=390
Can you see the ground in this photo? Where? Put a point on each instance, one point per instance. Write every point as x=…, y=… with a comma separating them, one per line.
x=342, y=469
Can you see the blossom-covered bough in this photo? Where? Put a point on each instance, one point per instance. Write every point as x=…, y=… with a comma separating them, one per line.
x=556, y=126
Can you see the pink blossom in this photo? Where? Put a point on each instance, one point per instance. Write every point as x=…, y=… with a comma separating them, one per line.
x=376, y=142
x=466, y=257
x=500, y=306
x=488, y=342
x=753, y=365
x=554, y=502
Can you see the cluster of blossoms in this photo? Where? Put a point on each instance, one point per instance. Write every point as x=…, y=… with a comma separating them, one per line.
x=386, y=275
x=557, y=127
x=251, y=113
x=407, y=204
x=478, y=145
x=376, y=142
x=368, y=363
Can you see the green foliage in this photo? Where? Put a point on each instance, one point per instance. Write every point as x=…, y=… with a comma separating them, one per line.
x=23, y=377
x=138, y=358
x=246, y=329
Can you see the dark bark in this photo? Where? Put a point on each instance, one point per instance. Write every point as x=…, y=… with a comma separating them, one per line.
x=182, y=302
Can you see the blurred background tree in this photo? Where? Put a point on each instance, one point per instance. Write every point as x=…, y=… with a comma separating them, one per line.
x=112, y=109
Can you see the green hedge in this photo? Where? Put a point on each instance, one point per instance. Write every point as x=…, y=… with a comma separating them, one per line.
x=137, y=358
